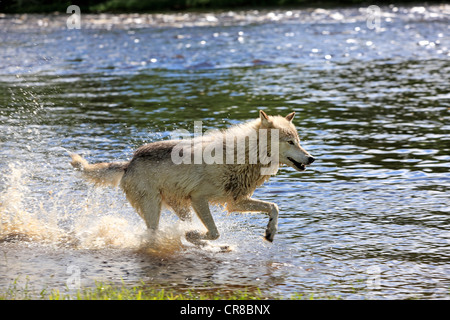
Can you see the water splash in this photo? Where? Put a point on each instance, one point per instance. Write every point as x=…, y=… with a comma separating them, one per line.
x=96, y=220
x=17, y=220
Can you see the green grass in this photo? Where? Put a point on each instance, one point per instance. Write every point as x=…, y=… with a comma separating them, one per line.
x=104, y=291
x=111, y=292
x=98, y=6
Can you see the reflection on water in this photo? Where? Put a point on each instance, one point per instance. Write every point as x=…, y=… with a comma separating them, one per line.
x=370, y=218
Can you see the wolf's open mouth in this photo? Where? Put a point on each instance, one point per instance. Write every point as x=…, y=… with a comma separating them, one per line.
x=298, y=165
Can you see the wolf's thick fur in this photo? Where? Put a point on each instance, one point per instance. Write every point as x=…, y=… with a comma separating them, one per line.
x=152, y=179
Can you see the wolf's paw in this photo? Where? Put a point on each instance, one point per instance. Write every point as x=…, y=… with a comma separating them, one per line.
x=193, y=235
x=196, y=237
x=269, y=235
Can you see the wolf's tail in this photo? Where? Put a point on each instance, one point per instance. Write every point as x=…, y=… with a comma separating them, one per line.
x=101, y=174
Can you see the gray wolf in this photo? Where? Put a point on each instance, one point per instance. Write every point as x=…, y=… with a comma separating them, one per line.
x=156, y=176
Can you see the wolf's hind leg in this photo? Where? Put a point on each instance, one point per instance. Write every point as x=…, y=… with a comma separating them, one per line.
x=183, y=212
x=201, y=207
x=253, y=205
x=149, y=208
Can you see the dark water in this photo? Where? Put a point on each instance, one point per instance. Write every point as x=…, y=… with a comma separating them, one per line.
x=370, y=218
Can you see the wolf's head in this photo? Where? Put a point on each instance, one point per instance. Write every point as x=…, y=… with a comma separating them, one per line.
x=291, y=152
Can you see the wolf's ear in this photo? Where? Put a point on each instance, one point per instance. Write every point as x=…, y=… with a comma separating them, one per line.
x=264, y=119
x=290, y=116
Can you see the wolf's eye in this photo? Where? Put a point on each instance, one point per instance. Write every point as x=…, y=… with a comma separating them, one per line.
x=291, y=142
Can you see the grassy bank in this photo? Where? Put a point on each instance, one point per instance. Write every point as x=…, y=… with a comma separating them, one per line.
x=104, y=291
x=126, y=6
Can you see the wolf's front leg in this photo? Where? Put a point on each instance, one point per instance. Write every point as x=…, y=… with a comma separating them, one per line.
x=201, y=207
x=253, y=205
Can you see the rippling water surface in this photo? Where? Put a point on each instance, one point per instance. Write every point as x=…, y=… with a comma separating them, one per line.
x=370, y=218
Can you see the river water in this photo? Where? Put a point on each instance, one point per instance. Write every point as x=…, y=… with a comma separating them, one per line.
x=368, y=220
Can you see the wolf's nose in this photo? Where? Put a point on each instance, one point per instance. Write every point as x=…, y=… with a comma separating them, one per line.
x=311, y=160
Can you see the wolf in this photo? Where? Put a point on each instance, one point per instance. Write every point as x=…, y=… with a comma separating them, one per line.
x=155, y=176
